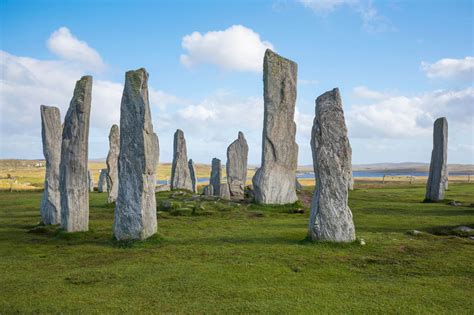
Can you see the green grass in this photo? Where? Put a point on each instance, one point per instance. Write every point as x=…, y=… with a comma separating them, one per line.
x=220, y=257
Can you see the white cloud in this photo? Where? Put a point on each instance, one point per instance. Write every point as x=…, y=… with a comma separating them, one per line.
x=236, y=48
x=65, y=45
x=365, y=93
x=408, y=117
x=447, y=68
x=372, y=20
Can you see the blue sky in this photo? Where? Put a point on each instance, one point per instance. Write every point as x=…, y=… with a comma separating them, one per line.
x=398, y=64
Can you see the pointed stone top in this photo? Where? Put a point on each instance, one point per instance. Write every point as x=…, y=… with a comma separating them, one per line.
x=49, y=108
x=271, y=56
x=190, y=161
x=329, y=98
x=241, y=135
x=179, y=131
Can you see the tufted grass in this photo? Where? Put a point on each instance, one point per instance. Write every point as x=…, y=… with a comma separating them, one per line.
x=220, y=257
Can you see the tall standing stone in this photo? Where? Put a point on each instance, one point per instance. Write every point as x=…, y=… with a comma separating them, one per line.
x=135, y=210
x=73, y=182
x=216, y=175
x=331, y=218
x=51, y=131
x=274, y=182
x=103, y=181
x=438, y=176
x=112, y=163
x=90, y=181
x=236, y=166
x=192, y=174
x=180, y=176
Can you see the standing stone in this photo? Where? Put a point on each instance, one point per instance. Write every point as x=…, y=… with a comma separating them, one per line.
x=298, y=186
x=438, y=176
x=73, y=182
x=208, y=190
x=112, y=163
x=51, y=131
x=216, y=175
x=180, y=176
x=90, y=181
x=192, y=173
x=236, y=166
x=103, y=181
x=224, y=191
x=274, y=182
x=331, y=218
x=135, y=210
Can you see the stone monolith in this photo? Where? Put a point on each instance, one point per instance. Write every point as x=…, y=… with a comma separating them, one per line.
x=438, y=176
x=192, y=174
x=224, y=191
x=216, y=175
x=135, y=211
x=180, y=176
x=73, y=178
x=236, y=166
x=51, y=133
x=103, y=181
x=90, y=181
x=331, y=218
x=274, y=182
x=112, y=163
x=208, y=190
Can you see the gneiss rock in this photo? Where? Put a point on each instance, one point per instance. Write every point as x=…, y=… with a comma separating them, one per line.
x=90, y=181
x=298, y=186
x=438, y=176
x=208, y=190
x=73, y=178
x=102, y=185
x=215, y=180
x=51, y=132
x=274, y=182
x=135, y=211
x=224, y=192
x=236, y=166
x=112, y=163
x=180, y=176
x=192, y=174
x=331, y=218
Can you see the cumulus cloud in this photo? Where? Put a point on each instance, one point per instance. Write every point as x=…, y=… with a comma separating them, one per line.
x=408, y=117
x=237, y=48
x=372, y=20
x=447, y=68
x=366, y=93
x=66, y=46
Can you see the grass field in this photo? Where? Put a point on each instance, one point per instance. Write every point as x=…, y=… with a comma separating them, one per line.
x=222, y=257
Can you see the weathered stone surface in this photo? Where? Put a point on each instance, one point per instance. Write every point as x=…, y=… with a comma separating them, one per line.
x=216, y=176
x=73, y=178
x=331, y=218
x=90, y=181
x=192, y=174
x=164, y=187
x=135, y=211
x=224, y=191
x=438, y=176
x=51, y=133
x=180, y=176
x=236, y=166
x=274, y=182
x=103, y=181
x=298, y=186
x=112, y=163
x=208, y=190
